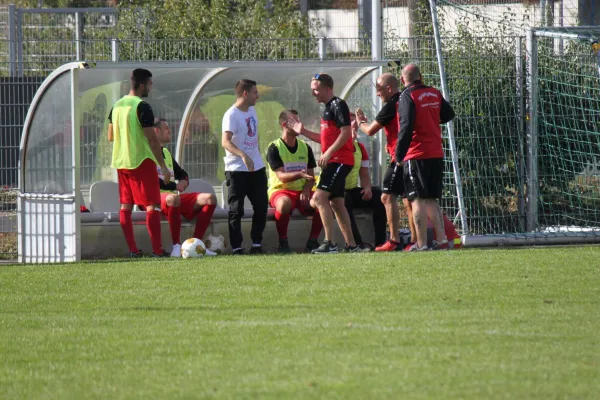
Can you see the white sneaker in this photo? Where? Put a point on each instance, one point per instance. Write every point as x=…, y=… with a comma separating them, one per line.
x=176, y=252
x=210, y=253
x=415, y=247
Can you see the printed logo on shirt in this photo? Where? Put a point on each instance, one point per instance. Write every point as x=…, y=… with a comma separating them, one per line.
x=251, y=126
x=427, y=94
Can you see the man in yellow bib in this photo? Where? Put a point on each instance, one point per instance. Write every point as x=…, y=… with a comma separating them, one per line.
x=136, y=153
x=173, y=204
x=291, y=178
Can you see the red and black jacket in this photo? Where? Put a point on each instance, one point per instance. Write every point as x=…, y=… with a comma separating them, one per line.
x=421, y=110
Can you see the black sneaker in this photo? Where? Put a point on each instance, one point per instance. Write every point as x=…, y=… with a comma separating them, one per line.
x=284, y=246
x=326, y=248
x=133, y=254
x=311, y=244
x=353, y=249
x=256, y=250
x=238, y=252
x=163, y=254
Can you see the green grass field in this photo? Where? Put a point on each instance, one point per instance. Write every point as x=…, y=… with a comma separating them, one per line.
x=469, y=324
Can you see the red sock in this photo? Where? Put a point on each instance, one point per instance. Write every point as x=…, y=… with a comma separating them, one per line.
x=153, y=225
x=281, y=223
x=127, y=226
x=316, y=227
x=174, y=218
x=203, y=220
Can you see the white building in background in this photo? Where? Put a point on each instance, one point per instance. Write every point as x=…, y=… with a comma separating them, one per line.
x=344, y=25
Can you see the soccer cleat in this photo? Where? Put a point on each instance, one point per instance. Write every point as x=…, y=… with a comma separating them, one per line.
x=176, y=250
x=162, y=255
x=326, y=248
x=210, y=253
x=311, y=244
x=284, y=246
x=415, y=247
x=390, y=245
x=444, y=245
x=256, y=250
x=238, y=252
x=133, y=254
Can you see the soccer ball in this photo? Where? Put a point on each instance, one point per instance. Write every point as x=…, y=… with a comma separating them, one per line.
x=215, y=243
x=193, y=248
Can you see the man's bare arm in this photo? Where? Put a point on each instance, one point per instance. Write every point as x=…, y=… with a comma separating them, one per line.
x=110, y=132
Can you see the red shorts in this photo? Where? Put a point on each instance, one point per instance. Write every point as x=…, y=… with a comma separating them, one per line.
x=294, y=197
x=140, y=185
x=188, y=201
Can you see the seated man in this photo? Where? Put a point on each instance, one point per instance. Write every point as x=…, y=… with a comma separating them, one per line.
x=174, y=205
x=291, y=178
x=364, y=196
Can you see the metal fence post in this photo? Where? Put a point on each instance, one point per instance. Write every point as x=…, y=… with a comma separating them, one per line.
x=377, y=30
x=19, y=41
x=78, y=53
x=322, y=48
x=12, y=37
x=114, y=46
x=520, y=130
x=532, y=132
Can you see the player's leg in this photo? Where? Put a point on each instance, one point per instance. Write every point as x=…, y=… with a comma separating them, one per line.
x=126, y=200
x=320, y=199
x=411, y=220
x=416, y=193
x=170, y=205
x=352, y=197
x=259, y=198
x=392, y=187
x=379, y=216
x=146, y=192
x=203, y=207
x=284, y=203
x=237, y=183
x=433, y=172
x=316, y=224
x=336, y=200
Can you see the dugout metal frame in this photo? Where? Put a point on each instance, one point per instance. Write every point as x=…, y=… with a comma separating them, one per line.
x=49, y=221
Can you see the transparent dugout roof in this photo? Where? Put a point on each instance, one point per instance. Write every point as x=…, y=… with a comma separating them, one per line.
x=192, y=96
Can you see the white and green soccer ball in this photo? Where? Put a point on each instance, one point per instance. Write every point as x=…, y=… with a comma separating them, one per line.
x=215, y=243
x=193, y=248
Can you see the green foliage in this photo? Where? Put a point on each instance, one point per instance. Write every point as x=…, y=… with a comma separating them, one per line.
x=255, y=27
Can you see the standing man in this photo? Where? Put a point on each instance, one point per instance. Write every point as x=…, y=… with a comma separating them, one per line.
x=364, y=196
x=291, y=179
x=173, y=205
x=336, y=161
x=393, y=186
x=421, y=110
x=136, y=154
x=244, y=167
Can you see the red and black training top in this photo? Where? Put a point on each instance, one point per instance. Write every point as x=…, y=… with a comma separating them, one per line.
x=421, y=110
x=335, y=116
x=388, y=118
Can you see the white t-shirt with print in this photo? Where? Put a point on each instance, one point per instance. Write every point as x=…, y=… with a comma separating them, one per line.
x=244, y=126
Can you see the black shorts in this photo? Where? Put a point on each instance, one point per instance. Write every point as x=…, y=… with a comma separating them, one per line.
x=333, y=179
x=393, y=180
x=423, y=179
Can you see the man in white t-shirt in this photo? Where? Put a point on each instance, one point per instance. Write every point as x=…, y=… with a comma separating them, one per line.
x=244, y=167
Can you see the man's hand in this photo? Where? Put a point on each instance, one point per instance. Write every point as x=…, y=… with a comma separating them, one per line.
x=295, y=125
x=305, y=199
x=248, y=161
x=366, y=194
x=360, y=116
x=166, y=174
x=324, y=159
x=304, y=175
x=182, y=185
